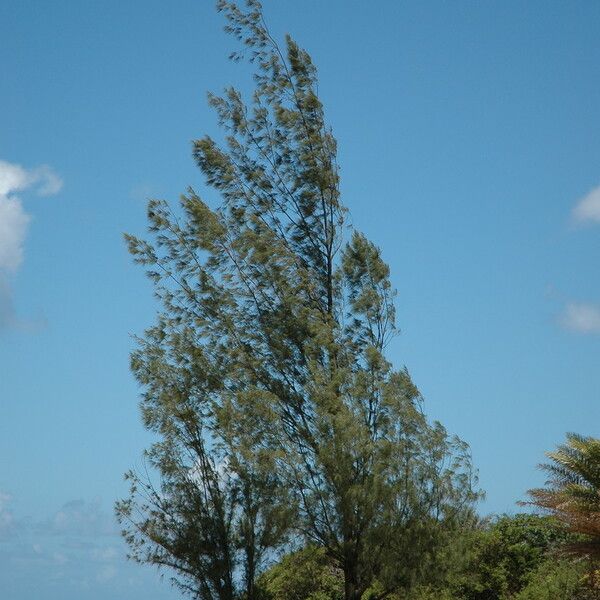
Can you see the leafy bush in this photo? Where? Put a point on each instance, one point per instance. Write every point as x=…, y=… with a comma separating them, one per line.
x=303, y=575
x=554, y=580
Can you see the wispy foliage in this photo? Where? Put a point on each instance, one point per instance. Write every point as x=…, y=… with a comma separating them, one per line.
x=266, y=374
x=572, y=492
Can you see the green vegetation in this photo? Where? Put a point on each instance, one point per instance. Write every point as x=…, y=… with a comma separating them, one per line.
x=307, y=574
x=503, y=557
x=293, y=461
x=572, y=493
x=510, y=558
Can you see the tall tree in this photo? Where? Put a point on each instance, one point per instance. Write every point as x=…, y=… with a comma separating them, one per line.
x=266, y=375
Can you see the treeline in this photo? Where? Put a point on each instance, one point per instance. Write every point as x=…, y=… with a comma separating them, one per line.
x=521, y=557
x=282, y=428
x=508, y=558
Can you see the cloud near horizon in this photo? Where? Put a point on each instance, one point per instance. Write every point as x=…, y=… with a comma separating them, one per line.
x=14, y=220
x=74, y=552
x=587, y=210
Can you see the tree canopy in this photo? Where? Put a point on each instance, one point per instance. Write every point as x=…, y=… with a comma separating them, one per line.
x=280, y=419
x=504, y=558
x=572, y=492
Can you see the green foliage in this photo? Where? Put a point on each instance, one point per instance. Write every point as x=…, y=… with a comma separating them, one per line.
x=510, y=558
x=265, y=376
x=505, y=554
x=500, y=559
x=555, y=580
x=572, y=492
x=429, y=593
x=303, y=575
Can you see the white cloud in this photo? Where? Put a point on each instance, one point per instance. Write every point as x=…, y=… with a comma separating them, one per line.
x=14, y=221
x=13, y=218
x=13, y=226
x=14, y=178
x=7, y=309
x=582, y=318
x=587, y=209
x=47, y=182
x=82, y=518
x=75, y=549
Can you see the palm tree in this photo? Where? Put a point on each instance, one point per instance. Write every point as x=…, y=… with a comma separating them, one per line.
x=572, y=492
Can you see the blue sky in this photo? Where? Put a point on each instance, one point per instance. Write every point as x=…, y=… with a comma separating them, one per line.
x=469, y=147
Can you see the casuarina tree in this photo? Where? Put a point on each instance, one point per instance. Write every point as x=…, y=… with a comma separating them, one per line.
x=280, y=419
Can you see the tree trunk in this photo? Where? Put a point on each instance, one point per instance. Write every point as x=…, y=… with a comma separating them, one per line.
x=352, y=590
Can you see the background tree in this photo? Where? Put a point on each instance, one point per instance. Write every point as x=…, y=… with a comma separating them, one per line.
x=307, y=574
x=555, y=580
x=266, y=376
x=572, y=492
x=507, y=558
x=502, y=556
